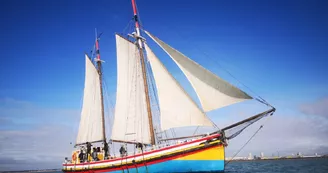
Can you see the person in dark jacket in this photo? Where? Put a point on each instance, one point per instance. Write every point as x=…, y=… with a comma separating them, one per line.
x=88, y=149
x=139, y=146
x=81, y=156
x=122, y=151
x=106, y=148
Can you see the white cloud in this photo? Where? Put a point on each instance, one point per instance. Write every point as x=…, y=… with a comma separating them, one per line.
x=319, y=107
x=287, y=133
x=44, y=145
x=34, y=137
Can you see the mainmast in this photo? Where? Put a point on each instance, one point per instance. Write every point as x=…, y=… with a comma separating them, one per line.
x=140, y=46
x=101, y=90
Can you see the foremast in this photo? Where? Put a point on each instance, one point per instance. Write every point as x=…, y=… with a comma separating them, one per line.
x=99, y=68
x=142, y=58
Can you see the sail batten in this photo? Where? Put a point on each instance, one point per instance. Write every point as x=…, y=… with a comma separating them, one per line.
x=131, y=118
x=212, y=91
x=90, y=128
x=177, y=109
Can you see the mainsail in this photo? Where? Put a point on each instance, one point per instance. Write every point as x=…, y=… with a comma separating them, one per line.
x=90, y=129
x=212, y=91
x=177, y=109
x=131, y=118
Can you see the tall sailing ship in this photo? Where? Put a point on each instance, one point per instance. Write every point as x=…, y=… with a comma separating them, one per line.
x=133, y=118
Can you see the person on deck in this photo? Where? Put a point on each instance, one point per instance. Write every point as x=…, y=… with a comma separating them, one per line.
x=95, y=154
x=88, y=149
x=139, y=147
x=81, y=156
x=106, y=148
x=122, y=151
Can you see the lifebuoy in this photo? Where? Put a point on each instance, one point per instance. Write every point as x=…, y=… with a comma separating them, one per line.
x=74, y=156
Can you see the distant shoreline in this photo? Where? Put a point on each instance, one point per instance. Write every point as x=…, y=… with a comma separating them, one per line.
x=282, y=158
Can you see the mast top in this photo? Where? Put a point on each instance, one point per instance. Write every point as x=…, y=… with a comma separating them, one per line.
x=135, y=13
x=97, y=44
x=138, y=36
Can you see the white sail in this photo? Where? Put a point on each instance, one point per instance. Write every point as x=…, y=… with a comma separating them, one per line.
x=131, y=119
x=176, y=107
x=212, y=91
x=90, y=129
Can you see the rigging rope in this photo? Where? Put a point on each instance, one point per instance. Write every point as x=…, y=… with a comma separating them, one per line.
x=108, y=112
x=196, y=130
x=248, y=140
x=152, y=89
x=244, y=145
x=128, y=26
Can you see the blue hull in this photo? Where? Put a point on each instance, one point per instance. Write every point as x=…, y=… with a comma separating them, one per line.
x=179, y=166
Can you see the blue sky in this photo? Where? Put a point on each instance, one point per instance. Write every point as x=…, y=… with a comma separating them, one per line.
x=277, y=48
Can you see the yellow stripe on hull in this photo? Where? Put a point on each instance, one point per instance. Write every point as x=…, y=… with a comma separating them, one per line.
x=215, y=153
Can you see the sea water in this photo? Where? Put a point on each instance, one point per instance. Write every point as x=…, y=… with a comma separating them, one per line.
x=313, y=165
